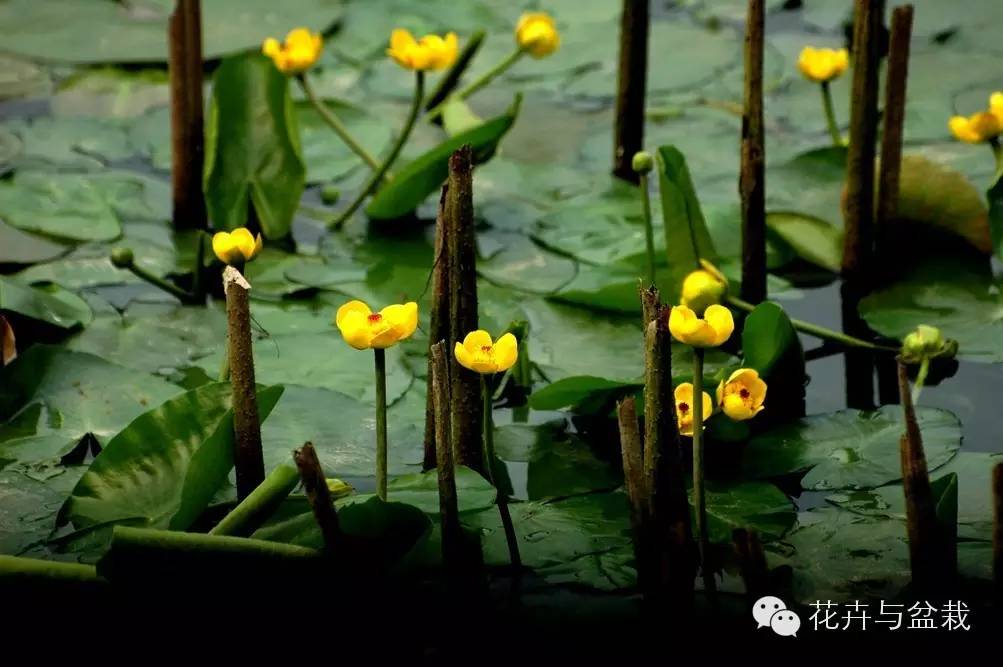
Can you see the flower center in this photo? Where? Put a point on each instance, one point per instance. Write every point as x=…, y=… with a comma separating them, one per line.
x=684, y=408
x=374, y=318
x=744, y=393
x=486, y=349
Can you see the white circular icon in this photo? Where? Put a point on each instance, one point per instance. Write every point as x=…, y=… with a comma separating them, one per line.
x=785, y=623
x=764, y=609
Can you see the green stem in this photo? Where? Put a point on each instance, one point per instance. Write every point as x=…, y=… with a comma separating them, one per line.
x=245, y=518
x=157, y=281
x=699, y=493
x=32, y=571
x=381, y=422
x=917, y=387
x=481, y=81
x=335, y=124
x=374, y=180
x=830, y=115
x=489, y=461
x=649, y=230
x=820, y=332
x=994, y=143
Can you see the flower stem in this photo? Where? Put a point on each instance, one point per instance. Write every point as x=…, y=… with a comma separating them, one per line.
x=335, y=123
x=157, y=281
x=481, y=81
x=374, y=180
x=699, y=493
x=489, y=459
x=381, y=422
x=994, y=143
x=917, y=387
x=830, y=115
x=649, y=231
x=820, y=332
x=198, y=289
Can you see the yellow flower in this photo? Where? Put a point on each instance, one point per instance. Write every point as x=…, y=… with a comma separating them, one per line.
x=431, y=52
x=236, y=247
x=364, y=329
x=996, y=105
x=480, y=355
x=822, y=65
x=703, y=287
x=741, y=396
x=297, y=54
x=684, y=408
x=977, y=128
x=537, y=35
x=711, y=330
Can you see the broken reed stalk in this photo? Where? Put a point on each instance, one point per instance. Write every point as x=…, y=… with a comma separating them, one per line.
x=671, y=547
x=751, y=562
x=752, y=178
x=449, y=513
x=928, y=545
x=184, y=39
x=892, y=129
x=319, y=496
x=461, y=247
x=438, y=327
x=858, y=238
x=633, y=477
x=997, y=495
x=628, y=130
x=247, y=455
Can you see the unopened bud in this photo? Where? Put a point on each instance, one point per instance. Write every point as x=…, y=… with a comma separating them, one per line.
x=642, y=162
x=121, y=257
x=927, y=342
x=703, y=288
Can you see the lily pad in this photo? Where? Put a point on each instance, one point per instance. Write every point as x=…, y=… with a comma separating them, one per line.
x=17, y=247
x=51, y=304
x=28, y=506
x=849, y=449
x=421, y=490
x=68, y=206
x=752, y=505
x=52, y=398
x=326, y=156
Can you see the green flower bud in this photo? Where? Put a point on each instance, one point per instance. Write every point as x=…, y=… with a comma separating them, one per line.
x=121, y=257
x=642, y=162
x=927, y=342
x=330, y=194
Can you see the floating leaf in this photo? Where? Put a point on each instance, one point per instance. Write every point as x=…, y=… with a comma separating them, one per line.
x=849, y=449
x=253, y=149
x=752, y=505
x=418, y=179
x=421, y=490
x=52, y=305
x=813, y=239
x=142, y=474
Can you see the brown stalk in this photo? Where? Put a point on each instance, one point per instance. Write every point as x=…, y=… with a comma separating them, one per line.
x=628, y=130
x=752, y=178
x=319, y=496
x=439, y=326
x=184, y=40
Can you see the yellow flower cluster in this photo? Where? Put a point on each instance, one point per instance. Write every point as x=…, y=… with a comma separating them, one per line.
x=236, y=248
x=297, y=54
x=823, y=65
x=431, y=52
x=982, y=125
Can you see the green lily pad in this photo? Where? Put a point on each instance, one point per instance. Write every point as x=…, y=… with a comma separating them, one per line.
x=752, y=505
x=145, y=474
x=813, y=239
x=975, y=512
x=50, y=304
x=52, y=398
x=849, y=449
x=326, y=156
x=421, y=490
x=962, y=304
x=558, y=463
x=524, y=265
x=68, y=206
x=17, y=247
x=72, y=142
x=342, y=429
x=28, y=506
x=111, y=92
x=95, y=31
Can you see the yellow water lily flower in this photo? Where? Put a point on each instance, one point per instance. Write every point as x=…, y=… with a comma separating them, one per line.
x=297, y=54
x=431, y=52
x=537, y=35
x=480, y=355
x=711, y=330
x=363, y=329
x=741, y=396
x=822, y=65
x=703, y=287
x=979, y=127
x=237, y=247
x=684, y=407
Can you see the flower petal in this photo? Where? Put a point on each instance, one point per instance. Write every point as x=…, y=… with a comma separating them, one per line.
x=736, y=408
x=354, y=327
x=722, y=322
x=475, y=340
x=463, y=357
x=354, y=306
x=506, y=352
x=222, y=247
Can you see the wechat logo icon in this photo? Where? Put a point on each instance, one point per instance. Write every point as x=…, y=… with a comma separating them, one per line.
x=771, y=612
